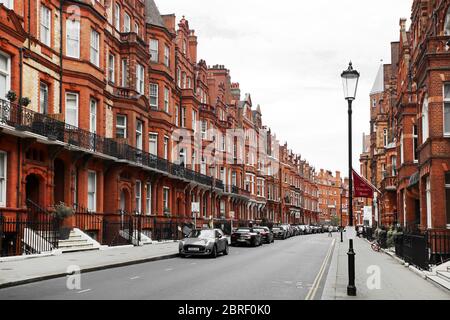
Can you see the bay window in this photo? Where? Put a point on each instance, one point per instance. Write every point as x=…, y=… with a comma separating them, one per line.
x=121, y=126
x=95, y=48
x=154, y=96
x=93, y=116
x=124, y=73
x=166, y=99
x=166, y=55
x=126, y=23
x=154, y=50
x=71, y=115
x=111, y=68
x=166, y=199
x=139, y=129
x=140, y=79
x=117, y=16
x=153, y=144
x=73, y=38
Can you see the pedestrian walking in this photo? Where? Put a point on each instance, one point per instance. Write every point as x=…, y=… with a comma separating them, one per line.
x=330, y=231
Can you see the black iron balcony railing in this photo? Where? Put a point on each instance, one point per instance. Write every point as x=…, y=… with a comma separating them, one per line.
x=24, y=119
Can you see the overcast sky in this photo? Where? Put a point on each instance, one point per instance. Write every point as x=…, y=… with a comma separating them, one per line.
x=289, y=54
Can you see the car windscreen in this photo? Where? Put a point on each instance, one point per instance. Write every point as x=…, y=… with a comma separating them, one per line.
x=203, y=234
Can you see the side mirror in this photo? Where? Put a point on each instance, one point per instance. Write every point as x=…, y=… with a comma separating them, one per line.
x=220, y=236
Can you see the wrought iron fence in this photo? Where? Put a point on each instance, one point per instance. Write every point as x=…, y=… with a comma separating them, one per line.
x=27, y=120
x=32, y=233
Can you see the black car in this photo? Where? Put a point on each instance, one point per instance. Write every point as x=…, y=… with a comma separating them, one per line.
x=280, y=233
x=246, y=236
x=266, y=234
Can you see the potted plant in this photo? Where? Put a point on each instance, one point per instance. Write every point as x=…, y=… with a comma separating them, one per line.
x=11, y=96
x=24, y=101
x=66, y=218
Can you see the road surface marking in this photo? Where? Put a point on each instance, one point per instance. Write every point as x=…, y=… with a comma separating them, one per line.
x=84, y=291
x=134, y=278
x=312, y=292
x=168, y=269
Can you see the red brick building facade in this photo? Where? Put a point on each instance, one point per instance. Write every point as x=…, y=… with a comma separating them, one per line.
x=413, y=110
x=115, y=113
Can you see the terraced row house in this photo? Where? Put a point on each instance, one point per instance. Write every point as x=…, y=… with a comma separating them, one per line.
x=409, y=154
x=105, y=107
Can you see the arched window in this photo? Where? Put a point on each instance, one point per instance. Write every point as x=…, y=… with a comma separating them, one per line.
x=447, y=23
x=425, y=120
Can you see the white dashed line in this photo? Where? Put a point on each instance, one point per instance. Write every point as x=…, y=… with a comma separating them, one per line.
x=84, y=291
x=134, y=278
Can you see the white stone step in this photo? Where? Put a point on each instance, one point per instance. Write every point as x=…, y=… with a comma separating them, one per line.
x=63, y=244
x=439, y=281
x=444, y=275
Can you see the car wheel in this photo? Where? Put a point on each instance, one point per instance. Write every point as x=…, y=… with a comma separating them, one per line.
x=255, y=243
x=226, y=251
x=214, y=252
x=182, y=255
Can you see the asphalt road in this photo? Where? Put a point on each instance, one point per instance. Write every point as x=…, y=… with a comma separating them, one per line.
x=288, y=270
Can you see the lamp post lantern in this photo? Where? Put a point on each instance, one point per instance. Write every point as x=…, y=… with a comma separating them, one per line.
x=350, y=79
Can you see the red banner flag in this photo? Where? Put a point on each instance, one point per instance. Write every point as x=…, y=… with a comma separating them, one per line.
x=362, y=188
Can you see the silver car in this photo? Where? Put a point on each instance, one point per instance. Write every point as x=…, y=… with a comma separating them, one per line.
x=206, y=242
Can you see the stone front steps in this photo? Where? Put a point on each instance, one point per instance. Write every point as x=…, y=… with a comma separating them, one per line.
x=78, y=241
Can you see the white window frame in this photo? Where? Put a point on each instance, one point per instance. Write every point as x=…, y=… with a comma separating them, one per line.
x=95, y=48
x=73, y=38
x=183, y=117
x=140, y=75
x=124, y=73
x=166, y=99
x=126, y=23
x=112, y=68
x=166, y=198
x=7, y=74
x=117, y=16
x=43, y=97
x=139, y=134
x=138, y=196
x=194, y=121
x=425, y=120
x=428, y=202
x=92, y=193
x=447, y=23
x=76, y=109
x=415, y=137
x=166, y=147
x=166, y=55
x=177, y=116
x=4, y=179
x=93, y=115
x=154, y=50
x=148, y=199
x=153, y=138
x=154, y=90
x=121, y=127
x=204, y=129
x=446, y=102
x=45, y=29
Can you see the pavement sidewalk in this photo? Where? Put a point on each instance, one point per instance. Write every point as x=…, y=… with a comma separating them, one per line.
x=396, y=281
x=42, y=268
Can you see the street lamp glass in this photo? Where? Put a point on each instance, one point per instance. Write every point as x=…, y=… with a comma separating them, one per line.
x=350, y=79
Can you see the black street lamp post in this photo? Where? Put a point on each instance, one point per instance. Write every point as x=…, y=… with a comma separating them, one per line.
x=342, y=226
x=350, y=79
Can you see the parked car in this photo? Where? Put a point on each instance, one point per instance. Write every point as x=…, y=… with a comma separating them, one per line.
x=302, y=229
x=203, y=243
x=289, y=229
x=280, y=233
x=308, y=229
x=266, y=234
x=297, y=230
x=247, y=236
